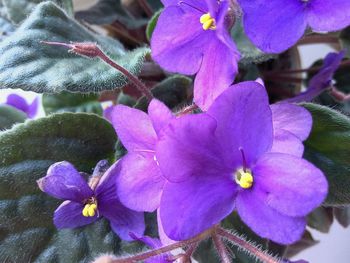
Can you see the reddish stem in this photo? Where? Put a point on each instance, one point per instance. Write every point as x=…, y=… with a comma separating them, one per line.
x=221, y=248
x=187, y=110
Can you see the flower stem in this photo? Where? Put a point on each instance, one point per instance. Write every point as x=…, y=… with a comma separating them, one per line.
x=145, y=6
x=156, y=252
x=246, y=246
x=187, y=110
x=221, y=248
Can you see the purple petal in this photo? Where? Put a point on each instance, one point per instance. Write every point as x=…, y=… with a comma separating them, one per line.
x=69, y=215
x=18, y=102
x=286, y=142
x=244, y=121
x=134, y=128
x=267, y=222
x=163, y=237
x=108, y=113
x=159, y=114
x=33, y=108
x=292, y=118
x=292, y=185
x=190, y=207
x=217, y=72
x=275, y=25
x=326, y=15
x=140, y=183
x=189, y=142
x=178, y=41
x=123, y=220
x=63, y=181
x=322, y=80
x=149, y=241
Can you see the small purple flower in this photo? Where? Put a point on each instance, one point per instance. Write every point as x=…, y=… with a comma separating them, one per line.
x=140, y=183
x=276, y=25
x=85, y=203
x=191, y=37
x=322, y=80
x=19, y=103
x=223, y=160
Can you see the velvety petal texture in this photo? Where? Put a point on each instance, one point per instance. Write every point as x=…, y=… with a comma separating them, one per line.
x=160, y=115
x=286, y=142
x=63, y=181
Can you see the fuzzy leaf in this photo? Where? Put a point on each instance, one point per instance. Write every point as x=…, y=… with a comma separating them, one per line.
x=30, y=65
x=9, y=116
x=6, y=28
x=71, y=102
x=26, y=151
x=342, y=214
x=328, y=147
x=321, y=219
x=18, y=10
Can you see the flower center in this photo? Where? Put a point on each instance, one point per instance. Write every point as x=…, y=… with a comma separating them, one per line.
x=208, y=22
x=244, y=178
x=90, y=208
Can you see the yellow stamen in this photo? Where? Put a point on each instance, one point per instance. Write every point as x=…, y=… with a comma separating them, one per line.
x=208, y=22
x=85, y=210
x=244, y=178
x=89, y=210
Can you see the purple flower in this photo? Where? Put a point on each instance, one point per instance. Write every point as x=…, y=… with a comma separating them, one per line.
x=140, y=183
x=322, y=80
x=86, y=203
x=191, y=37
x=19, y=103
x=276, y=25
x=222, y=160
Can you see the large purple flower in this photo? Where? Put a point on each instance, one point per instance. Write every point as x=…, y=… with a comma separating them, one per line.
x=87, y=203
x=20, y=103
x=224, y=159
x=276, y=25
x=191, y=37
x=322, y=80
x=140, y=183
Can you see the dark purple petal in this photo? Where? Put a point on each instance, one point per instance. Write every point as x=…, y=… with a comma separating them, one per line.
x=17, y=102
x=134, y=128
x=217, y=72
x=63, y=181
x=123, y=220
x=140, y=183
x=292, y=185
x=292, y=118
x=178, y=41
x=322, y=80
x=286, y=142
x=244, y=121
x=69, y=215
x=274, y=25
x=149, y=241
x=159, y=114
x=189, y=143
x=326, y=15
x=33, y=108
x=190, y=207
x=265, y=221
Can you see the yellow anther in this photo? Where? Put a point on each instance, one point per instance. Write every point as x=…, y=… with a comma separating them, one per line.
x=244, y=178
x=85, y=210
x=208, y=22
x=89, y=210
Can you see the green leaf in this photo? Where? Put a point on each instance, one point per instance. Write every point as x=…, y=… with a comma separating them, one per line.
x=249, y=53
x=71, y=102
x=26, y=151
x=105, y=12
x=30, y=65
x=328, y=147
x=321, y=219
x=172, y=91
x=305, y=242
x=9, y=116
x=345, y=39
x=152, y=24
x=342, y=214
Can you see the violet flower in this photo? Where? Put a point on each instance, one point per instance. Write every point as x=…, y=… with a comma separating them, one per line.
x=322, y=80
x=21, y=104
x=221, y=160
x=140, y=182
x=85, y=203
x=191, y=37
x=275, y=25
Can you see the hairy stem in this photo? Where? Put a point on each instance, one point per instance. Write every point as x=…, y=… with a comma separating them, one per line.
x=187, y=110
x=221, y=248
x=246, y=246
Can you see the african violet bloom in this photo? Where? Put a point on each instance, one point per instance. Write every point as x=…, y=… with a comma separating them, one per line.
x=21, y=104
x=85, y=203
x=140, y=182
x=222, y=160
x=191, y=37
x=322, y=80
x=276, y=25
